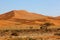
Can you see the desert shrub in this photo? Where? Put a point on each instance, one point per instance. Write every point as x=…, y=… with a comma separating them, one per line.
x=44, y=27
x=58, y=28
x=31, y=27
x=14, y=34
x=47, y=24
x=58, y=34
x=31, y=39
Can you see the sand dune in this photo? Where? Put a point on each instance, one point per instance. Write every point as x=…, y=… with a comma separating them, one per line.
x=27, y=18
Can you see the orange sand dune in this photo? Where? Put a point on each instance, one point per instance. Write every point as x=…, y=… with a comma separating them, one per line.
x=27, y=18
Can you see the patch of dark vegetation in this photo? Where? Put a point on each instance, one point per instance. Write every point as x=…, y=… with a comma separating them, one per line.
x=58, y=34
x=44, y=27
x=14, y=34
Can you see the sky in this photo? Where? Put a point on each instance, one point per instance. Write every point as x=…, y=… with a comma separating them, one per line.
x=45, y=7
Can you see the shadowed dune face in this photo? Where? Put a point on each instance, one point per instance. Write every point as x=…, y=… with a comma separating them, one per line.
x=7, y=15
x=24, y=17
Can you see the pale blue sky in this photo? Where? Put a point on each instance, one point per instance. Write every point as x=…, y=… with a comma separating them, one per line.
x=45, y=7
